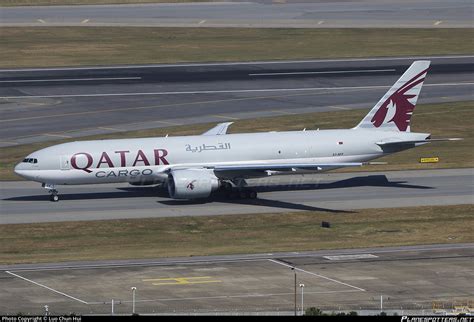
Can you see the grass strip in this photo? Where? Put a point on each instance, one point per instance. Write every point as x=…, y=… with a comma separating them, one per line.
x=442, y=120
x=233, y=234
x=73, y=46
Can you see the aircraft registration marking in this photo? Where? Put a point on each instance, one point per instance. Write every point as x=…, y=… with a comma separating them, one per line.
x=182, y=280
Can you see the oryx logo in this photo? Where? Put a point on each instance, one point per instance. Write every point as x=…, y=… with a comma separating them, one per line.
x=398, y=108
x=190, y=185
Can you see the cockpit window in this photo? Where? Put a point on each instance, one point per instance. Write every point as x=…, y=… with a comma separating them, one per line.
x=30, y=160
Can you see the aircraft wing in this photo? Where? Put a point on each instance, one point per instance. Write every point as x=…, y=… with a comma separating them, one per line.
x=284, y=166
x=219, y=129
x=269, y=166
x=409, y=142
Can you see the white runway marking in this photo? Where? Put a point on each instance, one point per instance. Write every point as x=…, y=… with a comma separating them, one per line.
x=339, y=108
x=46, y=287
x=346, y=257
x=136, y=264
x=68, y=79
x=225, y=117
x=326, y=72
x=318, y=275
x=233, y=64
x=225, y=91
x=58, y=135
x=250, y=258
x=108, y=128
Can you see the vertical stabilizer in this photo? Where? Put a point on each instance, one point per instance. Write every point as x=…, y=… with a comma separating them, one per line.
x=394, y=110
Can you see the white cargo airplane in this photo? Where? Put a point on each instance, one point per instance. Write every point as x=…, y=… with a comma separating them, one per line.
x=194, y=166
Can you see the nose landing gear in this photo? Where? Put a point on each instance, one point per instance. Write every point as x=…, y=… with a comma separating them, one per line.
x=53, y=193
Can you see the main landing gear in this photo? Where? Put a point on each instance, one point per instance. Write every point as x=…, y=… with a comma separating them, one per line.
x=238, y=192
x=242, y=194
x=53, y=193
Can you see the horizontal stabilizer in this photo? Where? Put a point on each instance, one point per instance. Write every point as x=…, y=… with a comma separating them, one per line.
x=409, y=142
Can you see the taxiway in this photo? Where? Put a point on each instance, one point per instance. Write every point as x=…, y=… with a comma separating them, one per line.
x=27, y=202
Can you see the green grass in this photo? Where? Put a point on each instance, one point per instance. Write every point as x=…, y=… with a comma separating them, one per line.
x=70, y=46
x=234, y=234
x=9, y=3
x=442, y=120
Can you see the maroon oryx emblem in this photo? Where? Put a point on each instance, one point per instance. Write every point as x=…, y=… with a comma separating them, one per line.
x=190, y=185
x=400, y=102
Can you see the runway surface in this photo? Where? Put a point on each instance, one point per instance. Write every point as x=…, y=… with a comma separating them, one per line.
x=409, y=278
x=263, y=13
x=27, y=202
x=48, y=104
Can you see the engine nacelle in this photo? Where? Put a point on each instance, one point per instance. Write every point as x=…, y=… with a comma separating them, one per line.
x=191, y=184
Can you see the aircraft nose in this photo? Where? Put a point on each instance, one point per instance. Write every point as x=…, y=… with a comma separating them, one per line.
x=20, y=170
x=17, y=168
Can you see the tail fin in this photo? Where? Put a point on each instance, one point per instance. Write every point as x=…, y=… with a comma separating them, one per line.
x=394, y=110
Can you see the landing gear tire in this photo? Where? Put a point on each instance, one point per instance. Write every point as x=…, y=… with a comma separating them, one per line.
x=226, y=186
x=242, y=194
x=54, y=196
x=233, y=195
x=252, y=194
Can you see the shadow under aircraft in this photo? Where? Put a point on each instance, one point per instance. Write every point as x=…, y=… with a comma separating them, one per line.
x=362, y=181
x=160, y=191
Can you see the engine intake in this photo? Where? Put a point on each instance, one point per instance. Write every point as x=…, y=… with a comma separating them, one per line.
x=191, y=184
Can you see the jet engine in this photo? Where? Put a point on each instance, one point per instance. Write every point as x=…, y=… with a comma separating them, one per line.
x=191, y=184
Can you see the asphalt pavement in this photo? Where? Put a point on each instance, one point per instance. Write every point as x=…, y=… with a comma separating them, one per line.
x=409, y=278
x=40, y=105
x=27, y=202
x=253, y=14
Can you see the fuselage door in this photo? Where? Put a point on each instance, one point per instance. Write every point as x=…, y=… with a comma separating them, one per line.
x=65, y=162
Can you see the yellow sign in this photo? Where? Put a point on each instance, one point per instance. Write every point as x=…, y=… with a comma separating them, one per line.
x=429, y=160
x=182, y=280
